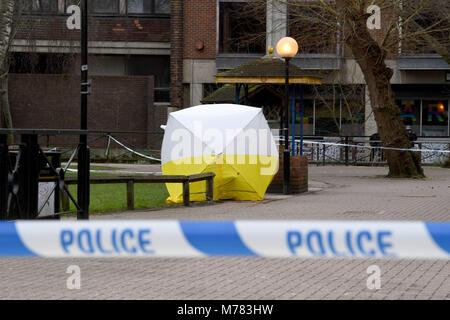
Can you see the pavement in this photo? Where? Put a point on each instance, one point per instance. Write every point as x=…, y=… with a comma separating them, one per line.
x=336, y=193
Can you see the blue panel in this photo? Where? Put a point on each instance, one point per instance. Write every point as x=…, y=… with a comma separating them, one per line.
x=10, y=243
x=440, y=232
x=215, y=238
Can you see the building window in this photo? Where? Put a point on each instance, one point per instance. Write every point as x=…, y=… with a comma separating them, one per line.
x=434, y=118
x=41, y=6
x=140, y=6
x=308, y=117
x=134, y=7
x=162, y=6
x=242, y=27
x=430, y=121
x=72, y=2
x=42, y=63
x=352, y=117
x=148, y=7
x=410, y=113
x=429, y=28
x=327, y=117
x=105, y=6
x=305, y=24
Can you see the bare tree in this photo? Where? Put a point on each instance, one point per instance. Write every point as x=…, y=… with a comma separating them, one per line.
x=7, y=8
x=405, y=25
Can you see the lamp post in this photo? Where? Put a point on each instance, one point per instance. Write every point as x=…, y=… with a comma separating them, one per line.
x=287, y=48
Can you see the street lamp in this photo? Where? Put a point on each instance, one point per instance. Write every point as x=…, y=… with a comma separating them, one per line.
x=287, y=48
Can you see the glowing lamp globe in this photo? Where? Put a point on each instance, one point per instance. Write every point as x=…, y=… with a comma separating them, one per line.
x=287, y=47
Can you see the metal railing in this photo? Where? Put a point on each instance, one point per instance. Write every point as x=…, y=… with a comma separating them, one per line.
x=360, y=150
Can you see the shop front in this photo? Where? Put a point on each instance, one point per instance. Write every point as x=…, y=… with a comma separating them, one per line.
x=425, y=108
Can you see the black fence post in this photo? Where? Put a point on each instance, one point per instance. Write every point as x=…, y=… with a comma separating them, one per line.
x=323, y=155
x=4, y=165
x=317, y=153
x=29, y=176
x=346, y=150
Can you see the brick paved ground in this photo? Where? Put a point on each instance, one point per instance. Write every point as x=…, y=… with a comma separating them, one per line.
x=338, y=193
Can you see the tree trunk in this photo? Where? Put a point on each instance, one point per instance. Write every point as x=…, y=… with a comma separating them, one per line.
x=371, y=58
x=6, y=110
x=6, y=24
x=447, y=163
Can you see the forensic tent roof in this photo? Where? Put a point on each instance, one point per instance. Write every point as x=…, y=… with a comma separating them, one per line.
x=243, y=179
x=267, y=70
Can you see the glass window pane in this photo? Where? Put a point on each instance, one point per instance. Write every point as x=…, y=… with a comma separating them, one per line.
x=45, y=6
x=410, y=113
x=105, y=6
x=162, y=6
x=435, y=117
x=353, y=116
x=242, y=27
x=327, y=117
x=139, y=6
x=26, y=6
x=308, y=117
x=306, y=26
x=71, y=2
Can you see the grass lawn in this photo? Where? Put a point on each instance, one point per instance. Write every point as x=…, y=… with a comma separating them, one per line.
x=112, y=197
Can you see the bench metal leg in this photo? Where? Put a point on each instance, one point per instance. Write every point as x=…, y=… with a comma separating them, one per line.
x=186, y=193
x=210, y=189
x=65, y=202
x=130, y=194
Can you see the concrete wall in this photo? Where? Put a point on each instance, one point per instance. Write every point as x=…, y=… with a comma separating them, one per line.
x=196, y=72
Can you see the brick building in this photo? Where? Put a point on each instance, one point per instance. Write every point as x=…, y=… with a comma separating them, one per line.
x=129, y=64
x=150, y=57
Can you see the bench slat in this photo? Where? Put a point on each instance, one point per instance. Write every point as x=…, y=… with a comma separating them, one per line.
x=131, y=180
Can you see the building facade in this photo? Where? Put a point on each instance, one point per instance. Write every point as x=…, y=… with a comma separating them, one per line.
x=160, y=55
x=129, y=64
x=219, y=35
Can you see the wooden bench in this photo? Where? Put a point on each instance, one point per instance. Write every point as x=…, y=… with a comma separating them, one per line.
x=131, y=180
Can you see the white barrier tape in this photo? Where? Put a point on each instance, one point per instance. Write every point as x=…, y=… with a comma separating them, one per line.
x=370, y=147
x=117, y=171
x=305, y=239
x=133, y=151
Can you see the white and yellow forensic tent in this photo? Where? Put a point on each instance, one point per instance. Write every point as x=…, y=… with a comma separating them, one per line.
x=233, y=141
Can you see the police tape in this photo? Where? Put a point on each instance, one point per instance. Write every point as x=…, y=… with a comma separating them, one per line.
x=119, y=171
x=336, y=144
x=131, y=150
x=371, y=147
x=160, y=238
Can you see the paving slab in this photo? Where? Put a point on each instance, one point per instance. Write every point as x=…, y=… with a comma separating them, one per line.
x=337, y=193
